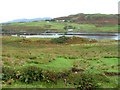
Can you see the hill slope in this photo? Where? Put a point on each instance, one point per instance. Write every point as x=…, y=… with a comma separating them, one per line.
x=74, y=23
x=106, y=19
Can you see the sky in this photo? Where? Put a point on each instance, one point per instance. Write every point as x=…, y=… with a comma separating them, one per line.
x=27, y=9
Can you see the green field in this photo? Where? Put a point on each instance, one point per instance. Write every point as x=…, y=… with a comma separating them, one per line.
x=42, y=63
x=57, y=26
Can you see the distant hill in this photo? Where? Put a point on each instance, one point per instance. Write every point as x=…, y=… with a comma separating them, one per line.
x=72, y=23
x=28, y=20
x=101, y=19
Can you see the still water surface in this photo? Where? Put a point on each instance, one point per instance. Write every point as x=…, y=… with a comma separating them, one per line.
x=114, y=36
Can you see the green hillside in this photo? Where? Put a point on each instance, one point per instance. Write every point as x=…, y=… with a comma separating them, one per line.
x=78, y=22
x=56, y=26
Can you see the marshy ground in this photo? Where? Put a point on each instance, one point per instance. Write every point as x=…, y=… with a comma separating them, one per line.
x=59, y=65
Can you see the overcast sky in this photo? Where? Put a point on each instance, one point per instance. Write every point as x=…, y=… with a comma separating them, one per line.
x=19, y=9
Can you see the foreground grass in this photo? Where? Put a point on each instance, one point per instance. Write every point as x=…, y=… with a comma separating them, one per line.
x=60, y=84
x=96, y=57
x=38, y=85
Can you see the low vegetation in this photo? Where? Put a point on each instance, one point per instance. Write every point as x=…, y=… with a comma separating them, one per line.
x=64, y=62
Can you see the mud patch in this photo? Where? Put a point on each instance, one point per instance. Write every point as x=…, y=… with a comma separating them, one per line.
x=112, y=73
x=77, y=70
x=43, y=41
x=24, y=40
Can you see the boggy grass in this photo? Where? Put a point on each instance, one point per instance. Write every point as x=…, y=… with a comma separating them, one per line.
x=45, y=53
x=58, y=57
